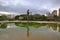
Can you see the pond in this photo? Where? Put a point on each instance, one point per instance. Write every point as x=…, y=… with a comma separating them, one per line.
x=29, y=31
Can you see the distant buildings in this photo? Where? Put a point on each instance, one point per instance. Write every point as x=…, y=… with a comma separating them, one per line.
x=54, y=12
x=11, y=16
x=47, y=14
x=58, y=12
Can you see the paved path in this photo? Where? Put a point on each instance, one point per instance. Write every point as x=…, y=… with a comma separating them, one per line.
x=32, y=21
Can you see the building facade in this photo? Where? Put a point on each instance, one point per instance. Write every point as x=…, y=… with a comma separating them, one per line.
x=54, y=13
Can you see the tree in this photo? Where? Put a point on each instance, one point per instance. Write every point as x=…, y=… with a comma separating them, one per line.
x=17, y=17
x=21, y=17
x=36, y=17
x=3, y=17
x=43, y=18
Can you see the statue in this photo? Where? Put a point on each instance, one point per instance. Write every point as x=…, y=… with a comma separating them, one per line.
x=28, y=12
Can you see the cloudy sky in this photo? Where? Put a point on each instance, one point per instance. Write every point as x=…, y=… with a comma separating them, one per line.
x=35, y=6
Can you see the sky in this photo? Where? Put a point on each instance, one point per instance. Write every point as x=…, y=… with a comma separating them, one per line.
x=35, y=6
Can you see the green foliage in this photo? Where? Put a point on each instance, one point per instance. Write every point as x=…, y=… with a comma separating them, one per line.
x=3, y=17
x=35, y=17
x=21, y=17
x=17, y=17
x=3, y=26
x=30, y=24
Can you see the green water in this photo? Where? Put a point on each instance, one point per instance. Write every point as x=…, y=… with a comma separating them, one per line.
x=29, y=31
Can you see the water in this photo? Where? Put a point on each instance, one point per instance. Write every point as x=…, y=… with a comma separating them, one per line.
x=29, y=31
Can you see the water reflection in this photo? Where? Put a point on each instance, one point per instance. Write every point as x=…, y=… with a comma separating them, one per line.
x=27, y=29
x=33, y=31
x=52, y=26
x=3, y=26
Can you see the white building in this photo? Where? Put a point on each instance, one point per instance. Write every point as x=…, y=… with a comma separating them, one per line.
x=58, y=12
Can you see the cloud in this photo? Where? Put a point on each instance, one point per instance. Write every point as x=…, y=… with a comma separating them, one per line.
x=21, y=6
x=8, y=2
